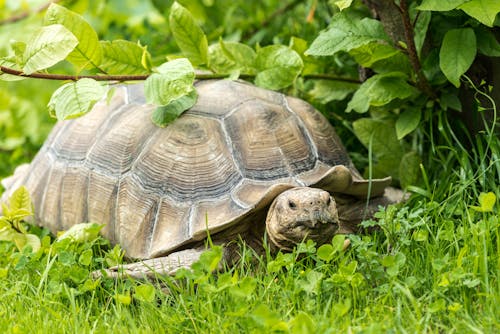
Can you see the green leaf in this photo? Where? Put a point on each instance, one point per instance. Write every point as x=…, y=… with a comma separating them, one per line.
x=399, y=62
x=278, y=66
x=231, y=57
x=268, y=319
x=486, y=202
x=164, y=115
x=380, y=134
x=457, y=53
x=420, y=235
x=379, y=90
x=312, y=282
x=487, y=43
x=209, y=260
x=20, y=199
x=328, y=90
x=7, y=233
x=338, y=243
x=420, y=30
x=173, y=80
x=302, y=323
x=88, y=52
x=409, y=169
x=325, y=252
x=188, y=35
x=124, y=57
x=311, y=64
x=145, y=293
x=80, y=233
x=22, y=240
x=345, y=33
x=19, y=49
x=343, y=4
x=407, y=121
x=47, y=47
x=124, y=299
x=368, y=54
x=440, y=5
x=450, y=100
x=485, y=11
x=75, y=98
x=85, y=258
x=245, y=288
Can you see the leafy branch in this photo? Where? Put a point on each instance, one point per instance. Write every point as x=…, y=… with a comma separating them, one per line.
x=142, y=77
x=66, y=77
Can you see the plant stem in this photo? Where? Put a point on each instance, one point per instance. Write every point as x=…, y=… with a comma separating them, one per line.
x=422, y=82
x=121, y=78
x=64, y=77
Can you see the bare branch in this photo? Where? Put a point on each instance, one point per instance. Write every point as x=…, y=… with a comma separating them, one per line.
x=121, y=78
x=63, y=77
x=422, y=82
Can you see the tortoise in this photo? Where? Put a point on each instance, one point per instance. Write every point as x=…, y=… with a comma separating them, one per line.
x=242, y=162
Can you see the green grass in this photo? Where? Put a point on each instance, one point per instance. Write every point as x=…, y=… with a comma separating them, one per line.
x=432, y=266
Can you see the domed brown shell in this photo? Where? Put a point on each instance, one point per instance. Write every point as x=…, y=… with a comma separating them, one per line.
x=159, y=188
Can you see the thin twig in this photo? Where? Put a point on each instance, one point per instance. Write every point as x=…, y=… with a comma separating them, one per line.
x=120, y=78
x=25, y=14
x=64, y=77
x=422, y=82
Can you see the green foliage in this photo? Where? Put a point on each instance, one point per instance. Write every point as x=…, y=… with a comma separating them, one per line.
x=345, y=33
x=188, y=35
x=430, y=265
x=12, y=227
x=440, y=5
x=485, y=11
x=457, y=53
x=75, y=98
x=88, y=52
x=350, y=39
x=48, y=46
x=124, y=57
x=278, y=66
x=486, y=202
x=232, y=58
x=172, y=89
x=380, y=90
x=407, y=122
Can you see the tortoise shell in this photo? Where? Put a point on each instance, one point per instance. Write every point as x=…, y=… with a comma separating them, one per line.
x=157, y=189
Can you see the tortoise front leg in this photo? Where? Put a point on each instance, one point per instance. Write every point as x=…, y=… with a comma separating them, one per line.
x=152, y=268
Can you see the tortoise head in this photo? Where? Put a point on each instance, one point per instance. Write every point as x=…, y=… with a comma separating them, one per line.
x=299, y=214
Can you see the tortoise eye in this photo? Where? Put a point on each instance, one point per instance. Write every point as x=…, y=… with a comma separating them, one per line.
x=292, y=205
x=328, y=201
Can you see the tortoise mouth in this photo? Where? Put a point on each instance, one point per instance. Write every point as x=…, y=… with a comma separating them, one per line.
x=319, y=230
x=289, y=238
x=315, y=220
